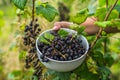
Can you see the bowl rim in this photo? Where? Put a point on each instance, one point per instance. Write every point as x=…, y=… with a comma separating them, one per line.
x=40, y=53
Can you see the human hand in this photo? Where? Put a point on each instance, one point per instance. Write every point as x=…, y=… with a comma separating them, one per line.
x=63, y=24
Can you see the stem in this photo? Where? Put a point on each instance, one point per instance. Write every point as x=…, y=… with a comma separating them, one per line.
x=108, y=14
x=107, y=5
x=101, y=29
x=33, y=9
x=105, y=41
x=76, y=76
x=105, y=45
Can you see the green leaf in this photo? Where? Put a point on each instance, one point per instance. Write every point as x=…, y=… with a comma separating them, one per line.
x=117, y=7
x=14, y=74
x=108, y=59
x=46, y=38
x=103, y=2
x=103, y=24
x=47, y=11
x=35, y=78
x=58, y=75
x=114, y=14
x=80, y=16
x=22, y=55
x=63, y=75
x=62, y=33
x=84, y=73
x=97, y=56
x=20, y=3
x=115, y=23
x=78, y=28
x=99, y=15
x=42, y=39
x=82, y=67
x=104, y=72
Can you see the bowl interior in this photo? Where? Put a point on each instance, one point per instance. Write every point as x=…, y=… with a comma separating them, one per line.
x=84, y=43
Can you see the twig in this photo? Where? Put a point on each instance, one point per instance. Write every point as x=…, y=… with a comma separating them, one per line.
x=105, y=41
x=33, y=9
x=107, y=5
x=101, y=29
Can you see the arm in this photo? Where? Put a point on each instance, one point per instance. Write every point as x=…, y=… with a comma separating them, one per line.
x=91, y=28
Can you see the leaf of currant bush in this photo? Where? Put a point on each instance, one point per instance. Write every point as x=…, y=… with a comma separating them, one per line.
x=12, y=75
x=104, y=72
x=63, y=75
x=62, y=33
x=114, y=14
x=58, y=75
x=115, y=23
x=47, y=11
x=80, y=16
x=97, y=56
x=48, y=36
x=103, y=24
x=108, y=59
x=20, y=3
x=78, y=28
x=99, y=15
x=83, y=72
x=117, y=7
x=42, y=39
x=103, y=2
x=22, y=55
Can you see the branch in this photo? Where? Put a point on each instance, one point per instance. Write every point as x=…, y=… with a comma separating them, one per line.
x=108, y=14
x=101, y=29
x=33, y=9
x=107, y=5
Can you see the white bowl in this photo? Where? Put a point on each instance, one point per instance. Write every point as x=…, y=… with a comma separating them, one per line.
x=64, y=66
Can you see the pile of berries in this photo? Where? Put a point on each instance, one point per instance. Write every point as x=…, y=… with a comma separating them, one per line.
x=61, y=48
x=32, y=30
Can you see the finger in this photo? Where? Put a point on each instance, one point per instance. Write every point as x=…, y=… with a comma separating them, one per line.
x=56, y=27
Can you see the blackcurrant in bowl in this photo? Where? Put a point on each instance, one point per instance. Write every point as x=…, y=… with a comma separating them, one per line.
x=61, y=50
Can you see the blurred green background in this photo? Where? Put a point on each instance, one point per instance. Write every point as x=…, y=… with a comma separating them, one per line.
x=10, y=34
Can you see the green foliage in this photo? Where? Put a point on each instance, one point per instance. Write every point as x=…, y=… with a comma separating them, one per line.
x=62, y=33
x=105, y=72
x=97, y=56
x=117, y=7
x=80, y=16
x=84, y=73
x=46, y=37
x=114, y=14
x=77, y=28
x=1, y=18
x=22, y=55
x=103, y=2
x=115, y=23
x=103, y=24
x=108, y=59
x=14, y=74
x=20, y=3
x=58, y=75
x=47, y=11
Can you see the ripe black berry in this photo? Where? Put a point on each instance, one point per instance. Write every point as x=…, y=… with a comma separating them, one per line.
x=61, y=48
